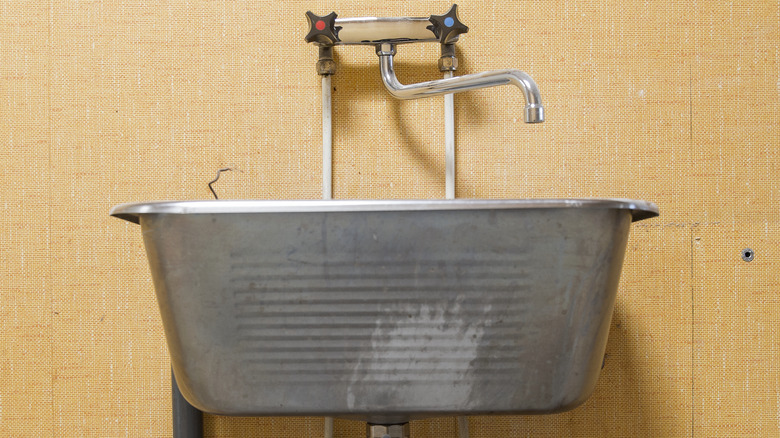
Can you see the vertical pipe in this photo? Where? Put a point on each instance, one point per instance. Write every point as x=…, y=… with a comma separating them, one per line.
x=327, y=140
x=328, y=427
x=449, y=184
x=327, y=175
x=187, y=420
x=449, y=143
x=463, y=427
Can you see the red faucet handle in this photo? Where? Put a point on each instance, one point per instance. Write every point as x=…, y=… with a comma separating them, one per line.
x=322, y=29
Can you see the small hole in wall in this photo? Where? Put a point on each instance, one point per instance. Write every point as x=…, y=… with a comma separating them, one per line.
x=748, y=255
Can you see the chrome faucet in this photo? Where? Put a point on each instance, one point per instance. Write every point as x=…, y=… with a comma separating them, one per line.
x=386, y=33
x=534, y=111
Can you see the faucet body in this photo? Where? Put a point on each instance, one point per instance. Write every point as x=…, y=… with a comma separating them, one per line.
x=385, y=33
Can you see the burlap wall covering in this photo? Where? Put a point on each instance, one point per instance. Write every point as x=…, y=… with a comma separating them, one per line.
x=103, y=102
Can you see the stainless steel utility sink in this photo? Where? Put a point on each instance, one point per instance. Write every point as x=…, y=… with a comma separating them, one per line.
x=386, y=311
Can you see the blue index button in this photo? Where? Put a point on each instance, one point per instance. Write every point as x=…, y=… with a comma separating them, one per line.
x=449, y=21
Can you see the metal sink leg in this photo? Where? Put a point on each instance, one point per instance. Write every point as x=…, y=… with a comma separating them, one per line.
x=387, y=431
x=187, y=420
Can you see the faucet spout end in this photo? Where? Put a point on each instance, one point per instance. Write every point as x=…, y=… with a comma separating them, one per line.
x=534, y=113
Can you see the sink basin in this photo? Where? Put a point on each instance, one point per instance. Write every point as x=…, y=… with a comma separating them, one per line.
x=386, y=311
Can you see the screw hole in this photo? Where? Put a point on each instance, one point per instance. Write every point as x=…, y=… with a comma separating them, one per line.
x=748, y=255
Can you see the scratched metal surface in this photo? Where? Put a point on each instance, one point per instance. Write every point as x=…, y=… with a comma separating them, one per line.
x=387, y=316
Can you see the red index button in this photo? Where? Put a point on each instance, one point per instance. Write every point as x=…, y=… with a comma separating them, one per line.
x=320, y=25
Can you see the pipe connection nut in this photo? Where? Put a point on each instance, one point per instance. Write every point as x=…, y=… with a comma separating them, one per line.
x=448, y=61
x=326, y=67
x=325, y=63
x=392, y=431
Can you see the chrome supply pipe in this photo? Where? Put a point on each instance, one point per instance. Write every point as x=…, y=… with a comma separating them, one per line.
x=463, y=427
x=326, y=67
x=449, y=143
x=328, y=426
x=327, y=139
x=534, y=111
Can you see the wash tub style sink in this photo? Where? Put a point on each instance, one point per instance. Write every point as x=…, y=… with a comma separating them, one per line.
x=386, y=311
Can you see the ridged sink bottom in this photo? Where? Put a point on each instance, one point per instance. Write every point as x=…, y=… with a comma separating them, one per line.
x=386, y=311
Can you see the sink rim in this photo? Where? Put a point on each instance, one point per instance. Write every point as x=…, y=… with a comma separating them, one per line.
x=131, y=212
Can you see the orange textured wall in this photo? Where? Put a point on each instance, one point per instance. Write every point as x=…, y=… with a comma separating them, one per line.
x=103, y=102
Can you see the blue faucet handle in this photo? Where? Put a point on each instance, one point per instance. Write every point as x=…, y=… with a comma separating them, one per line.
x=322, y=29
x=447, y=27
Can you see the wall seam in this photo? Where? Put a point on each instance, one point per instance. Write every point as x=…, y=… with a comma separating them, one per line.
x=49, y=212
x=693, y=332
x=692, y=152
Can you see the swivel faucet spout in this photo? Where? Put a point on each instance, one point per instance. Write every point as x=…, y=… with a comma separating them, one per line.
x=534, y=111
